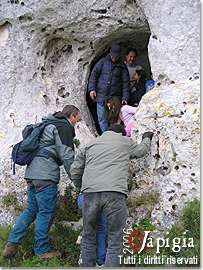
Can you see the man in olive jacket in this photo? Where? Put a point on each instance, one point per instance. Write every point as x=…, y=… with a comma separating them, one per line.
x=42, y=176
x=100, y=171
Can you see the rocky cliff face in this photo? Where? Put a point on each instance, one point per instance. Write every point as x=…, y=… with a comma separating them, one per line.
x=46, y=51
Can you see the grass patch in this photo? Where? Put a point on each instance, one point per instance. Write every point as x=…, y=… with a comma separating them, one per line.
x=66, y=208
x=189, y=222
x=11, y=200
x=76, y=142
x=144, y=223
x=62, y=238
x=146, y=200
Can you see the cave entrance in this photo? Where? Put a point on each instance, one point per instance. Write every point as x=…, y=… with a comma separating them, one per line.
x=130, y=39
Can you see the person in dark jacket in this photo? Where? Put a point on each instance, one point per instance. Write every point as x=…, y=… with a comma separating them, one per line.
x=137, y=88
x=109, y=78
x=42, y=176
x=130, y=61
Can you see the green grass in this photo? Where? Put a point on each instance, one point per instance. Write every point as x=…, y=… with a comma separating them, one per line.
x=10, y=200
x=76, y=142
x=67, y=209
x=144, y=223
x=62, y=238
x=146, y=200
x=189, y=222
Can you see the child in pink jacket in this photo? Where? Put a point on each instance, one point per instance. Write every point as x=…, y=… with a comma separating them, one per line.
x=126, y=115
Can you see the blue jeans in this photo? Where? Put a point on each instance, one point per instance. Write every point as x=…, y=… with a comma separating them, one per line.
x=41, y=206
x=101, y=113
x=113, y=206
x=101, y=235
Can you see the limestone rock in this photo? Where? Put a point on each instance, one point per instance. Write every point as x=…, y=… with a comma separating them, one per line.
x=172, y=167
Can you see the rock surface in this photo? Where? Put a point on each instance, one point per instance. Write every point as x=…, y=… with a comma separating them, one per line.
x=172, y=168
x=46, y=49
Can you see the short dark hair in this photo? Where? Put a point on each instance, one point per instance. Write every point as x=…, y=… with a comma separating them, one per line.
x=69, y=110
x=130, y=49
x=117, y=128
x=142, y=74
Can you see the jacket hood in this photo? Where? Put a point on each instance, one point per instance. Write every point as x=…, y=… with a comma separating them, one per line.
x=57, y=116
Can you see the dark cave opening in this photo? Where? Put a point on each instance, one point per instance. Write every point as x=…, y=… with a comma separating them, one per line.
x=131, y=39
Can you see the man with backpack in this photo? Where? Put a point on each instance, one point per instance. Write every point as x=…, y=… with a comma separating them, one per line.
x=42, y=175
x=108, y=78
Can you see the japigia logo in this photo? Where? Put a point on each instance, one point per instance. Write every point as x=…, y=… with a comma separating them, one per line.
x=136, y=242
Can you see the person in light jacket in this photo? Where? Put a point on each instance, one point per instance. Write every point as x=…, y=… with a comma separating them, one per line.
x=100, y=171
x=42, y=176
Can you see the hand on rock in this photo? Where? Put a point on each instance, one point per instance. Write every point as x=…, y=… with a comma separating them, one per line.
x=124, y=102
x=147, y=134
x=93, y=94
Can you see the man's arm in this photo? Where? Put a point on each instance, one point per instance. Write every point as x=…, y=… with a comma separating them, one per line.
x=77, y=169
x=92, y=84
x=64, y=146
x=140, y=150
x=125, y=84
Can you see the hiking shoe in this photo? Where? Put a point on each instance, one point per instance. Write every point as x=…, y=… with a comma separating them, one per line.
x=99, y=265
x=10, y=250
x=49, y=254
x=80, y=260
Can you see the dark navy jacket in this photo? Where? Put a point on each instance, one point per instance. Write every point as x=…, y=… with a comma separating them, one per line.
x=109, y=79
x=137, y=92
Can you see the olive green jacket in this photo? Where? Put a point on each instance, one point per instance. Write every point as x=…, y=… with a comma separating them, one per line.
x=102, y=165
